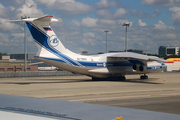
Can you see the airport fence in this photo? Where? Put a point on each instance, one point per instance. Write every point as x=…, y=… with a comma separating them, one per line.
x=35, y=74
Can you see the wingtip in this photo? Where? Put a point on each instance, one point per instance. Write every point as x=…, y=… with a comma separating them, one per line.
x=169, y=62
x=49, y=16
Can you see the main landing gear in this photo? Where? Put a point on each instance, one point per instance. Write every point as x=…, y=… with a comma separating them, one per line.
x=121, y=78
x=144, y=77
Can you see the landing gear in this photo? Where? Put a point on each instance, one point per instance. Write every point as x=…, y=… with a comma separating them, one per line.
x=121, y=78
x=144, y=76
x=96, y=79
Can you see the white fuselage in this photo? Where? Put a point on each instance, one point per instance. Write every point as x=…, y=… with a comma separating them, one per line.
x=53, y=52
x=99, y=66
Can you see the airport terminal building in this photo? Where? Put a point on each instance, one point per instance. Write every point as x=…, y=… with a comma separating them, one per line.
x=166, y=50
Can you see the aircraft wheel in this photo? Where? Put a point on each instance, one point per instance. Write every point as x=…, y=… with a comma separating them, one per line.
x=96, y=79
x=144, y=77
x=122, y=78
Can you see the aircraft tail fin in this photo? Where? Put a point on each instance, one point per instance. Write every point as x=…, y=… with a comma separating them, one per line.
x=44, y=36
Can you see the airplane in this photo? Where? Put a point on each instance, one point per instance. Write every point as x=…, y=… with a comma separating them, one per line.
x=102, y=66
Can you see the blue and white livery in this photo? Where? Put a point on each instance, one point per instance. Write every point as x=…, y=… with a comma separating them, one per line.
x=109, y=65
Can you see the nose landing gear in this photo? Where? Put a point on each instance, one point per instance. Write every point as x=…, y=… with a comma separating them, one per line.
x=144, y=77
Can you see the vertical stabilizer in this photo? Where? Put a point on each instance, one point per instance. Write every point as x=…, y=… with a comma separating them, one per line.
x=49, y=46
x=44, y=36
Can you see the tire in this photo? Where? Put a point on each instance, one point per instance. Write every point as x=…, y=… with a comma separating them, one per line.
x=122, y=78
x=144, y=77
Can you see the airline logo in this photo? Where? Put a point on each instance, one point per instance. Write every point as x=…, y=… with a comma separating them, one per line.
x=53, y=41
x=47, y=29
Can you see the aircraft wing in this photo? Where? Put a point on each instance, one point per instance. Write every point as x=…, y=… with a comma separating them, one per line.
x=30, y=108
x=134, y=56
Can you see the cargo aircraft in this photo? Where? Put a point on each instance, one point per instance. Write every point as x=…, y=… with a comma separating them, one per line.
x=109, y=65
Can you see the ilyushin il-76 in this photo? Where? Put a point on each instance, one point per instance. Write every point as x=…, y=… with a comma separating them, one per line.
x=109, y=65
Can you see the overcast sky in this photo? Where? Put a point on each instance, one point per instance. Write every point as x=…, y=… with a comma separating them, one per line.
x=81, y=25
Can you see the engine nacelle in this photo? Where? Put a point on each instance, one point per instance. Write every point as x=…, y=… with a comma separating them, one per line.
x=140, y=68
x=135, y=67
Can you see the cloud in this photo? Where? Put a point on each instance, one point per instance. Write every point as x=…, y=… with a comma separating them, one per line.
x=88, y=42
x=168, y=36
x=67, y=7
x=156, y=13
x=6, y=12
x=89, y=35
x=78, y=31
x=59, y=24
x=75, y=22
x=140, y=23
x=13, y=2
x=134, y=12
x=108, y=14
x=142, y=14
x=160, y=2
x=29, y=9
x=161, y=26
x=175, y=16
x=171, y=36
x=102, y=4
x=89, y=22
x=30, y=3
x=14, y=43
x=7, y=27
x=105, y=4
x=120, y=13
x=107, y=22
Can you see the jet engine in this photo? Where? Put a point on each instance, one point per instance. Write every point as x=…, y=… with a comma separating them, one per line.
x=139, y=67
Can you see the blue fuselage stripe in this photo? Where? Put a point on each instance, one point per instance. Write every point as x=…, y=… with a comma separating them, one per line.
x=154, y=67
x=95, y=64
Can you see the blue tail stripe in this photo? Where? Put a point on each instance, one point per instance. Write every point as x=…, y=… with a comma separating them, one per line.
x=37, y=35
x=42, y=40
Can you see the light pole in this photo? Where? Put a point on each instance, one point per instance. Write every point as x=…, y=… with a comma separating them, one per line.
x=127, y=25
x=106, y=39
x=25, y=45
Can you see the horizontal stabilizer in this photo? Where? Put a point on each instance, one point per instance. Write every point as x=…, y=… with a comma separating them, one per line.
x=48, y=18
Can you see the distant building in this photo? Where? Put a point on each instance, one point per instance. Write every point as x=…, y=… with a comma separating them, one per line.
x=166, y=50
x=13, y=65
x=22, y=56
x=30, y=58
x=12, y=62
x=31, y=61
x=4, y=57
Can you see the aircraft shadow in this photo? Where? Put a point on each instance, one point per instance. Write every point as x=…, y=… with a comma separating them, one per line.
x=148, y=81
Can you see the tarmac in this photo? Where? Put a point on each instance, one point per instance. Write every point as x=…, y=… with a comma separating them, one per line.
x=161, y=92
